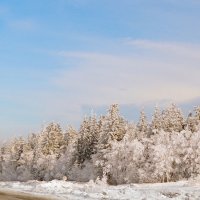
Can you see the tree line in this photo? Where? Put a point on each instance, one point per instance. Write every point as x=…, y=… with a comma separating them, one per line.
x=165, y=149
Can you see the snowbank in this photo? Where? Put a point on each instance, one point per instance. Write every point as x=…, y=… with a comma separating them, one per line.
x=74, y=191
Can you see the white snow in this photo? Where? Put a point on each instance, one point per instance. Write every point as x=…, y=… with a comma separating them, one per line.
x=78, y=191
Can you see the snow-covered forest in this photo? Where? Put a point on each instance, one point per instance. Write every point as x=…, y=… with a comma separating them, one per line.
x=110, y=148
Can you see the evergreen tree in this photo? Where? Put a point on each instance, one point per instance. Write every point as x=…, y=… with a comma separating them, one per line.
x=142, y=126
x=113, y=128
x=197, y=112
x=17, y=150
x=70, y=135
x=157, y=122
x=51, y=140
x=88, y=138
x=113, y=125
x=173, y=119
x=192, y=122
x=131, y=132
x=197, y=116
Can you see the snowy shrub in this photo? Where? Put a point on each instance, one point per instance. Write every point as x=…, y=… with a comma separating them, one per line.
x=123, y=161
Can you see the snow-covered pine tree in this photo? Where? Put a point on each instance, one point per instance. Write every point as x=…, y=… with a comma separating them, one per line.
x=32, y=141
x=191, y=122
x=2, y=155
x=197, y=112
x=131, y=132
x=7, y=170
x=30, y=157
x=17, y=150
x=142, y=126
x=173, y=119
x=14, y=158
x=24, y=170
x=80, y=152
x=70, y=136
x=88, y=138
x=51, y=140
x=66, y=163
x=197, y=116
x=113, y=127
x=50, y=148
x=157, y=121
x=92, y=137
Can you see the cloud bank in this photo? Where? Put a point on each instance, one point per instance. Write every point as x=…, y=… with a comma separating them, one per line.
x=160, y=71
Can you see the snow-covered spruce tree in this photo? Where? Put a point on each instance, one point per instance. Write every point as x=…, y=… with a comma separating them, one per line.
x=197, y=116
x=51, y=140
x=112, y=128
x=85, y=147
x=13, y=159
x=143, y=126
x=65, y=165
x=191, y=123
x=131, y=132
x=197, y=112
x=157, y=121
x=24, y=171
x=50, y=148
x=88, y=138
x=70, y=136
x=1, y=160
x=17, y=151
x=3, y=154
x=32, y=141
x=173, y=119
x=8, y=166
x=33, y=145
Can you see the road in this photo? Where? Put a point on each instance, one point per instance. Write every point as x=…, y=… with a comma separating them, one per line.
x=7, y=195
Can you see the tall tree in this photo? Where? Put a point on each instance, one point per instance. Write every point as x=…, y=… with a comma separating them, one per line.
x=88, y=138
x=157, y=121
x=173, y=119
x=51, y=140
x=142, y=126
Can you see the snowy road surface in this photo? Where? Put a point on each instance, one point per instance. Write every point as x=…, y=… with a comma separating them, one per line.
x=61, y=190
x=9, y=195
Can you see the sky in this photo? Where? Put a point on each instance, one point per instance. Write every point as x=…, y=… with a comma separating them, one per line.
x=61, y=58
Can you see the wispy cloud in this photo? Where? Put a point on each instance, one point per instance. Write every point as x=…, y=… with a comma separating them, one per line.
x=189, y=50
x=107, y=78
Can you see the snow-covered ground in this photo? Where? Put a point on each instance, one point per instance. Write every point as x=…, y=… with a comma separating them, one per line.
x=72, y=190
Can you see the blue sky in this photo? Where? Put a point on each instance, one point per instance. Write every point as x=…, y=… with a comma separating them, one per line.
x=60, y=58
